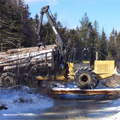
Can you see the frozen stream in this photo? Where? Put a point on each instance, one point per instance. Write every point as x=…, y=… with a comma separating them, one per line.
x=73, y=109
x=38, y=106
x=79, y=109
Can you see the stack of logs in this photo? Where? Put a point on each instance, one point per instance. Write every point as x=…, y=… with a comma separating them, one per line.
x=22, y=57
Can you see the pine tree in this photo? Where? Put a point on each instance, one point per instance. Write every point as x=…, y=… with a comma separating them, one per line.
x=92, y=35
x=87, y=33
x=47, y=34
x=118, y=47
x=15, y=24
x=97, y=36
x=103, y=45
x=36, y=20
x=78, y=42
x=112, y=43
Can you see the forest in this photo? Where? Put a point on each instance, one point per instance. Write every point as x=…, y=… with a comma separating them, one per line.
x=18, y=29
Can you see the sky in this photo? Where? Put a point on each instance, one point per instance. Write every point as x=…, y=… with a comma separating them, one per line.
x=69, y=12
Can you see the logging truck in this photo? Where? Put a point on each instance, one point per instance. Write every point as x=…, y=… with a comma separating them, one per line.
x=83, y=68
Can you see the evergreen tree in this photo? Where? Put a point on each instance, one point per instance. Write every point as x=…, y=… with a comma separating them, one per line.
x=92, y=35
x=47, y=34
x=87, y=33
x=78, y=41
x=36, y=20
x=15, y=24
x=97, y=36
x=103, y=45
x=118, y=46
x=112, y=43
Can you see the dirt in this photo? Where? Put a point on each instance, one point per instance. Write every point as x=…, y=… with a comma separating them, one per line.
x=111, y=81
x=3, y=107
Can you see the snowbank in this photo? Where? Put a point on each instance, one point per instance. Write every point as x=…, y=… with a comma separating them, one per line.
x=115, y=108
x=22, y=101
x=114, y=117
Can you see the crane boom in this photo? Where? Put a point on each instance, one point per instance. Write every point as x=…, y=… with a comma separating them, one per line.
x=57, y=34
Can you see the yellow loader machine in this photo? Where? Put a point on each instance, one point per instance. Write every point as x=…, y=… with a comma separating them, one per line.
x=85, y=70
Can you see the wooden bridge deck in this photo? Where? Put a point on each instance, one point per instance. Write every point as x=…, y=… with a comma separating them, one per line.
x=85, y=92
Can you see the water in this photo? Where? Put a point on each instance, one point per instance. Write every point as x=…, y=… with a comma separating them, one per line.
x=78, y=109
x=70, y=109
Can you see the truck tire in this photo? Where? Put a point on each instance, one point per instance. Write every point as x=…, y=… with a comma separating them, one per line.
x=8, y=79
x=85, y=78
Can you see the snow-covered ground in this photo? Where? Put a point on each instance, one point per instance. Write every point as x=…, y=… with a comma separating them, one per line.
x=21, y=101
x=114, y=117
x=115, y=107
x=72, y=86
x=26, y=101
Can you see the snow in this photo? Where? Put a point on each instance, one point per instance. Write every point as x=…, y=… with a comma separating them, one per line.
x=21, y=101
x=57, y=85
x=29, y=54
x=25, y=101
x=72, y=86
x=115, y=107
x=114, y=117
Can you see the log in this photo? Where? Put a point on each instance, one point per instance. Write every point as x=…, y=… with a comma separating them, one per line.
x=22, y=60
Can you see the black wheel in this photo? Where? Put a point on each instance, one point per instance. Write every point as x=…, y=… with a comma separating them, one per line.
x=8, y=79
x=27, y=80
x=85, y=78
